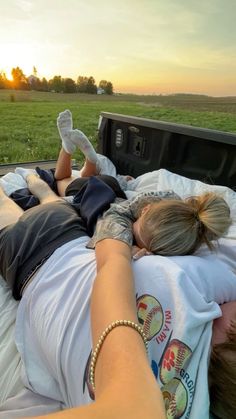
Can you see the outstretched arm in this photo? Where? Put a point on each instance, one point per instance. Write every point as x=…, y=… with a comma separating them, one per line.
x=124, y=383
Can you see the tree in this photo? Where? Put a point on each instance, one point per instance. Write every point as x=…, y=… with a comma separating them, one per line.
x=69, y=86
x=34, y=82
x=82, y=84
x=35, y=71
x=106, y=86
x=86, y=85
x=109, y=89
x=44, y=85
x=91, y=86
x=20, y=81
x=4, y=83
x=56, y=84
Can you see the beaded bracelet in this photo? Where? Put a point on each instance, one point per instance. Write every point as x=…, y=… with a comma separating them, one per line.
x=109, y=328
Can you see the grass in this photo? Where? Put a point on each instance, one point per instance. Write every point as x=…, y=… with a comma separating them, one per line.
x=28, y=122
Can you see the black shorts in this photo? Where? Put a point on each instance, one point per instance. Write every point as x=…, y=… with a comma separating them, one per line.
x=76, y=185
x=33, y=238
x=26, y=200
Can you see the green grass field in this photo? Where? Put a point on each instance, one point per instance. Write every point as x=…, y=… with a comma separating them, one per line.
x=28, y=119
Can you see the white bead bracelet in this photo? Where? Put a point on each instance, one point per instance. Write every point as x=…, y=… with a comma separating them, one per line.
x=95, y=353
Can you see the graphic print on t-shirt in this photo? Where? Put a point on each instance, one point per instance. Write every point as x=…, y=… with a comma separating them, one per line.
x=174, y=359
x=177, y=393
x=154, y=320
x=175, y=399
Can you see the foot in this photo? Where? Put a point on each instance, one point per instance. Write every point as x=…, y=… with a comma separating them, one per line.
x=65, y=125
x=82, y=142
x=40, y=189
x=25, y=172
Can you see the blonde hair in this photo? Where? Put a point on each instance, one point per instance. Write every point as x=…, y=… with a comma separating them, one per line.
x=175, y=227
x=222, y=377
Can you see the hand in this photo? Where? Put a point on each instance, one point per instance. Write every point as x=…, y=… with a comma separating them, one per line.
x=137, y=253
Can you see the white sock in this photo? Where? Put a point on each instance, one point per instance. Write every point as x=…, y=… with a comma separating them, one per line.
x=65, y=125
x=80, y=140
x=8, y=188
x=25, y=172
x=15, y=179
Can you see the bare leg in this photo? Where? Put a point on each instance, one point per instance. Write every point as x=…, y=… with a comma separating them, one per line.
x=63, y=172
x=41, y=190
x=63, y=166
x=62, y=169
x=89, y=169
x=9, y=210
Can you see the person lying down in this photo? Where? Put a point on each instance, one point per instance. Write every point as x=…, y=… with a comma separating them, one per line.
x=182, y=225
x=120, y=219
x=44, y=259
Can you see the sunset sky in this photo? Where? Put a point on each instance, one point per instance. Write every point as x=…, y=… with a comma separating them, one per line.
x=141, y=46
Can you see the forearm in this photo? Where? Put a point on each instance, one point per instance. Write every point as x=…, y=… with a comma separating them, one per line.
x=122, y=373
x=113, y=295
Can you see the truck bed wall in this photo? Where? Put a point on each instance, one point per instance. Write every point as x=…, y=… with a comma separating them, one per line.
x=138, y=145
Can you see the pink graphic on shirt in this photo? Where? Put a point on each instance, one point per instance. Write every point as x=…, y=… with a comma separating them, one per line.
x=169, y=360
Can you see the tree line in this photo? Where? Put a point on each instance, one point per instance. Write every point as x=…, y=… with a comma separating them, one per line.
x=57, y=84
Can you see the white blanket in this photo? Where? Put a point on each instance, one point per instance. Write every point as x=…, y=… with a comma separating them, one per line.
x=10, y=364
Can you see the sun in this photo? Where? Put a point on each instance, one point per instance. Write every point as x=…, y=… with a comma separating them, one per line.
x=17, y=55
x=8, y=74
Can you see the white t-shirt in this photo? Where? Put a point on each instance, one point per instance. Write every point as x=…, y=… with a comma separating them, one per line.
x=177, y=299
